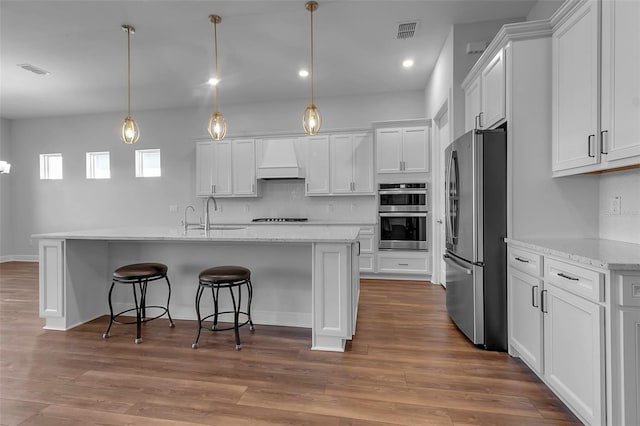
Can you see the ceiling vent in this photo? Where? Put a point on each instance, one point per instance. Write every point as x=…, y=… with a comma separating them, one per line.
x=34, y=69
x=407, y=30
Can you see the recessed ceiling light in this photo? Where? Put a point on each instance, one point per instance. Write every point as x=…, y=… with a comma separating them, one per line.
x=213, y=81
x=34, y=69
x=303, y=73
x=407, y=63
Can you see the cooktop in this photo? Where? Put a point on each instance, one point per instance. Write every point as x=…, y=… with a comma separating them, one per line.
x=280, y=219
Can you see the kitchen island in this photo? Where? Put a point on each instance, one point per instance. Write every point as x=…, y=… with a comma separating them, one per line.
x=303, y=275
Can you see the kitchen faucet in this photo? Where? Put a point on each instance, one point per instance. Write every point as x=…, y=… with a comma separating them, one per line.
x=185, y=223
x=207, y=225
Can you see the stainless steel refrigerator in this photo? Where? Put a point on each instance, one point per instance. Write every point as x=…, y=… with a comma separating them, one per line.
x=476, y=225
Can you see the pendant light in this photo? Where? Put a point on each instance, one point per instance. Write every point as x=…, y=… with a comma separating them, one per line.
x=130, y=131
x=217, y=123
x=311, y=120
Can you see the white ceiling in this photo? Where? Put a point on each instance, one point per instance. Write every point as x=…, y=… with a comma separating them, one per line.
x=262, y=45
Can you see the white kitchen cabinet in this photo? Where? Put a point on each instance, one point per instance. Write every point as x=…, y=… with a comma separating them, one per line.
x=351, y=164
x=472, y=104
x=317, y=167
x=596, y=129
x=404, y=262
x=402, y=150
x=574, y=351
x=627, y=322
x=366, y=240
x=243, y=164
x=485, y=96
x=226, y=168
x=525, y=318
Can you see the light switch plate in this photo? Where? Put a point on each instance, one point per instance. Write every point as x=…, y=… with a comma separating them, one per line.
x=616, y=202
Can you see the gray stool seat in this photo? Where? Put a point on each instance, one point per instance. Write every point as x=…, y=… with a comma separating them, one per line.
x=139, y=275
x=233, y=278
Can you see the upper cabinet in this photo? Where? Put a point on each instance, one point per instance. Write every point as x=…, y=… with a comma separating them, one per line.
x=351, y=163
x=402, y=150
x=485, y=96
x=596, y=130
x=340, y=164
x=226, y=168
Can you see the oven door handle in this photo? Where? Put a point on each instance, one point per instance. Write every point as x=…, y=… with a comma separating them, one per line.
x=403, y=214
x=403, y=192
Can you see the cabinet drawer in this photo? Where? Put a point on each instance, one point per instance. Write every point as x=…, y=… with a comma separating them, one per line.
x=575, y=279
x=629, y=290
x=525, y=261
x=395, y=262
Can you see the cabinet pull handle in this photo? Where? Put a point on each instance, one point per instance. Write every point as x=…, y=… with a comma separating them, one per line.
x=589, y=145
x=522, y=260
x=475, y=122
x=358, y=248
x=213, y=189
x=602, y=151
x=480, y=119
x=542, y=299
x=253, y=187
x=403, y=264
x=533, y=296
x=307, y=187
x=560, y=274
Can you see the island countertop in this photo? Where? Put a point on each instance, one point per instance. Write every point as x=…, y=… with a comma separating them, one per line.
x=228, y=233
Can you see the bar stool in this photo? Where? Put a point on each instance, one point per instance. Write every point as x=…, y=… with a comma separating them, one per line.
x=231, y=277
x=138, y=275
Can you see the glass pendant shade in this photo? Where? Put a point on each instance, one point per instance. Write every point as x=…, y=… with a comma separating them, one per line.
x=217, y=126
x=130, y=131
x=311, y=120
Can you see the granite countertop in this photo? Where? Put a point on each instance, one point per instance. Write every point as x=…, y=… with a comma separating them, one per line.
x=229, y=233
x=605, y=254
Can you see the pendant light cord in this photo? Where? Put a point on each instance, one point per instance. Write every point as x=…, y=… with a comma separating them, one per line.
x=128, y=72
x=215, y=42
x=312, y=55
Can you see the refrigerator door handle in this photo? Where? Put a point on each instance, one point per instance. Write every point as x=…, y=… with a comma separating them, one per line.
x=449, y=227
x=450, y=261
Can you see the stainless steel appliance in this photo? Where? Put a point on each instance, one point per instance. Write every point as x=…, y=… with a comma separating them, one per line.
x=403, y=213
x=476, y=223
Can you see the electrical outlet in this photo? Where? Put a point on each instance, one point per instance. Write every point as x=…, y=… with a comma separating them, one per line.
x=616, y=205
x=173, y=208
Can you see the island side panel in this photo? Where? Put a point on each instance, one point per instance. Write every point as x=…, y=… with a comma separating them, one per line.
x=332, y=287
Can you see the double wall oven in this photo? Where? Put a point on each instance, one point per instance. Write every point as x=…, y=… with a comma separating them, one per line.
x=403, y=212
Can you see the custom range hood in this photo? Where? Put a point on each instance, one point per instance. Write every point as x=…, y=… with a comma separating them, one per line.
x=278, y=159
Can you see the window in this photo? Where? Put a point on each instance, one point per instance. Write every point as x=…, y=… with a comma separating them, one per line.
x=98, y=165
x=147, y=163
x=50, y=166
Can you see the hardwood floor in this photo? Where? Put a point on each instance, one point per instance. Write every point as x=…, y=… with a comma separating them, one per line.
x=407, y=365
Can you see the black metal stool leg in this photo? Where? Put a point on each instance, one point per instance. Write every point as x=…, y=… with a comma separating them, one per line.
x=194, y=345
x=143, y=299
x=106, y=333
x=171, y=324
x=138, y=312
x=236, y=308
x=250, y=287
x=215, y=293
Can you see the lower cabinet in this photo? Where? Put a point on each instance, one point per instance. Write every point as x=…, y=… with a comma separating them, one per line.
x=404, y=262
x=574, y=352
x=367, y=240
x=630, y=348
x=557, y=327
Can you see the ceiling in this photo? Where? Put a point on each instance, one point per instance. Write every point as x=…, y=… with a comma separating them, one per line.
x=262, y=45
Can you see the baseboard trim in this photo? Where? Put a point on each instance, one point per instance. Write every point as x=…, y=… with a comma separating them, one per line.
x=19, y=258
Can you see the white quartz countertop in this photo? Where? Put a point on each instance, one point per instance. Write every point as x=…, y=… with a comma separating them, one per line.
x=245, y=233
x=605, y=254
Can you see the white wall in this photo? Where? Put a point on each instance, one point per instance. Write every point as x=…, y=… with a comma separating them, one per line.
x=5, y=154
x=543, y=9
x=77, y=203
x=626, y=225
x=441, y=79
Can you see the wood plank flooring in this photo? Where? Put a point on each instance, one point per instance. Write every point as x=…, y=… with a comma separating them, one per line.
x=407, y=365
